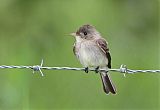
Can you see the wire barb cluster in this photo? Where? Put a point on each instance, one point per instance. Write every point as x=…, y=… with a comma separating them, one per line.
x=123, y=69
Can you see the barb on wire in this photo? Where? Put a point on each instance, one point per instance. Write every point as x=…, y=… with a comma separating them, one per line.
x=38, y=68
x=123, y=69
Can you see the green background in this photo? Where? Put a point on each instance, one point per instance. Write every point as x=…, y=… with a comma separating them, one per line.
x=34, y=29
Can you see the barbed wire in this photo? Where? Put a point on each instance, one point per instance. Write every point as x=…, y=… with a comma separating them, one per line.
x=123, y=69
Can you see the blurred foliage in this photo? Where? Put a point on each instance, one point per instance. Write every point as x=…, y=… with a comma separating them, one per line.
x=34, y=29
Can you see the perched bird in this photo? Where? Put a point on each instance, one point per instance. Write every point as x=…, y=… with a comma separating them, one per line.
x=93, y=52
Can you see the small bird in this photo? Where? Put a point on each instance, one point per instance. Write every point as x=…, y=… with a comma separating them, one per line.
x=93, y=52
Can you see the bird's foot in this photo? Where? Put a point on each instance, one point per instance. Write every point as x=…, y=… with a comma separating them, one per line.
x=86, y=69
x=97, y=69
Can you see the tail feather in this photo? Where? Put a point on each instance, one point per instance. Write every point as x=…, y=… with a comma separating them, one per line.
x=107, y=83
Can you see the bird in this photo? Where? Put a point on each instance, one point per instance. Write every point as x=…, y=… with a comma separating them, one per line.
x=92, y=51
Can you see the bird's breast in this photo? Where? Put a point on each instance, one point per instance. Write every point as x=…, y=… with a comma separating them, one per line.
x=90, y=55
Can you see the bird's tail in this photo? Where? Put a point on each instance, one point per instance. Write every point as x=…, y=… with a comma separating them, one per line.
x=107, y=83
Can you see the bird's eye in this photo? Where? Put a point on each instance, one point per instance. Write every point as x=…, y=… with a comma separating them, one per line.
x=85, y=33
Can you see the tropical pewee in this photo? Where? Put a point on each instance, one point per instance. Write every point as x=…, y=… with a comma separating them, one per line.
x=93, y=52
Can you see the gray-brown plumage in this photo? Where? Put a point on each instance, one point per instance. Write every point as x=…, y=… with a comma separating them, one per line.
x=92, y=51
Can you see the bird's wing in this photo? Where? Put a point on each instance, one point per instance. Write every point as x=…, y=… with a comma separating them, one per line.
x=102, y=44
x=74, y=49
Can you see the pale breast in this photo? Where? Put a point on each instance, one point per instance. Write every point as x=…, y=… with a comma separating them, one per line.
x=90, y=55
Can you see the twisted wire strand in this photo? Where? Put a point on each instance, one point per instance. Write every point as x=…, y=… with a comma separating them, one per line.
x=122, y=69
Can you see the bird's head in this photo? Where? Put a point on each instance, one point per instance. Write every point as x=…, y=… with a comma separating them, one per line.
x=86, y=32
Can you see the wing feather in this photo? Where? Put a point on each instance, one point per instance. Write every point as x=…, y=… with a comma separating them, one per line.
x=74, y=49
x=103, y=45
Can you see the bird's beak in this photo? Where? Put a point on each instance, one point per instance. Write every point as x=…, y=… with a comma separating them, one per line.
x=73, y=34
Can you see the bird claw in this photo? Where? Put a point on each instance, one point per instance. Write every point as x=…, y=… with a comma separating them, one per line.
x=86, y=69
x=97, y=69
